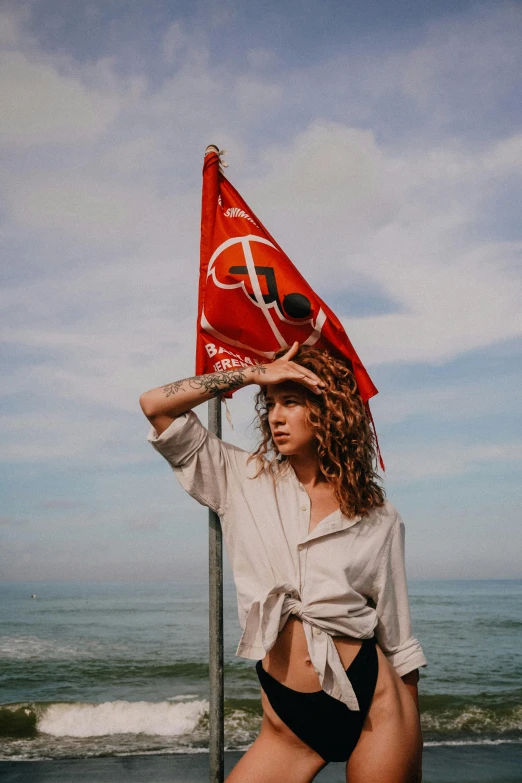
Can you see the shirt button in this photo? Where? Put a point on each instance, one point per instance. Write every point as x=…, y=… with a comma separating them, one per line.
x=317, y=631
x=300, y=546
x=303, y=508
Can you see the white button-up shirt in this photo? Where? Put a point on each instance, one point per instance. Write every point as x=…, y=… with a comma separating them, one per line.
x=345, y=578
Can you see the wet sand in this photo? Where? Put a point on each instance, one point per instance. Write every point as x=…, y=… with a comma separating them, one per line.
x=446, y=764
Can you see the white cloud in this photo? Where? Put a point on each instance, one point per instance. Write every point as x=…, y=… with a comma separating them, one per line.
x=408, y=222
x=459, y=304
x=260, y=59
x=81, y=438
x=12, y=26
x=146, y=524
x=459, y=399
x=339, y=174
x=42, y=105
x=174, y=43
x=447, y=459
x=105, y=369
x=463, y=62
x=506, y=157
x=8, y=521
x=255, y=96
x=53, y=99
x=59, y=504
x=86, y=206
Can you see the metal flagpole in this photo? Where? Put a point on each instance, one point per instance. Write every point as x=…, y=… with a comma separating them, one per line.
x=216, y=673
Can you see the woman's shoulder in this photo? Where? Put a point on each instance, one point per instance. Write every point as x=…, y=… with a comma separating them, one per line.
x=260, y=468
x=383, y=518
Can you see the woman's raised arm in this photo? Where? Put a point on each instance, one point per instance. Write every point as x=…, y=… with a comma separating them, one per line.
x=162, y=405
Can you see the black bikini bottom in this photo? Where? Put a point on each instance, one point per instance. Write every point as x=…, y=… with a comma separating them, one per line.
x=326, y=724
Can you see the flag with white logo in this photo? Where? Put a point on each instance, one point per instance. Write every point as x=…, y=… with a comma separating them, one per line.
x=252, y=299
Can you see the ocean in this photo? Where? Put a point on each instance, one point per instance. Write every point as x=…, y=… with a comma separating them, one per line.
x=121, y=670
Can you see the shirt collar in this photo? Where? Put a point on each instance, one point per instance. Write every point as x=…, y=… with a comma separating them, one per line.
x=333, y=523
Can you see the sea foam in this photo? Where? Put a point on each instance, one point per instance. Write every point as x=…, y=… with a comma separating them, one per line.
x=163, y=718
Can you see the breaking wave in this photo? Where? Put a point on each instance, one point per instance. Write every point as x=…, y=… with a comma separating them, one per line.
x=166, y=718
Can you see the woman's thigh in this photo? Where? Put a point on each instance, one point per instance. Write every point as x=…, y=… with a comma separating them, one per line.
x=390, y=744
x=276, y=755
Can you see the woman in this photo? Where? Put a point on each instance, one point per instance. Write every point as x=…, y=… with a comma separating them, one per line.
x=318, y=560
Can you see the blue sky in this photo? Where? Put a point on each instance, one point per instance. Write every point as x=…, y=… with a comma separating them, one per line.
x=379, y=142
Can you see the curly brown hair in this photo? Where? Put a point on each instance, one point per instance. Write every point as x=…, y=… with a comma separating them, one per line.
x=345, y=441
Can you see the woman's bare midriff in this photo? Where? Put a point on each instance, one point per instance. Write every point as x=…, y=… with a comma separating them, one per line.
x=289, y=661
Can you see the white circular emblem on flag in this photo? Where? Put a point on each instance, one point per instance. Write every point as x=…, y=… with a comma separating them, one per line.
x=237, y=264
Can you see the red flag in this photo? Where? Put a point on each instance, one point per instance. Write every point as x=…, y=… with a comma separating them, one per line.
x=252, y=299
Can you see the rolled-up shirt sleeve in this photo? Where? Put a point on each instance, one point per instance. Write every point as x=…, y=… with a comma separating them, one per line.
x=393, y=630
x=200, y=460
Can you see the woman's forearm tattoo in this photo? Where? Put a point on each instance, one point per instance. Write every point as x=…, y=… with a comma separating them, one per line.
x=218, y=382
x=215, y=383
x=172, y=388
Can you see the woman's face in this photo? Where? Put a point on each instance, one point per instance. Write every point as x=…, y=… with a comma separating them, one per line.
x=291, y=433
